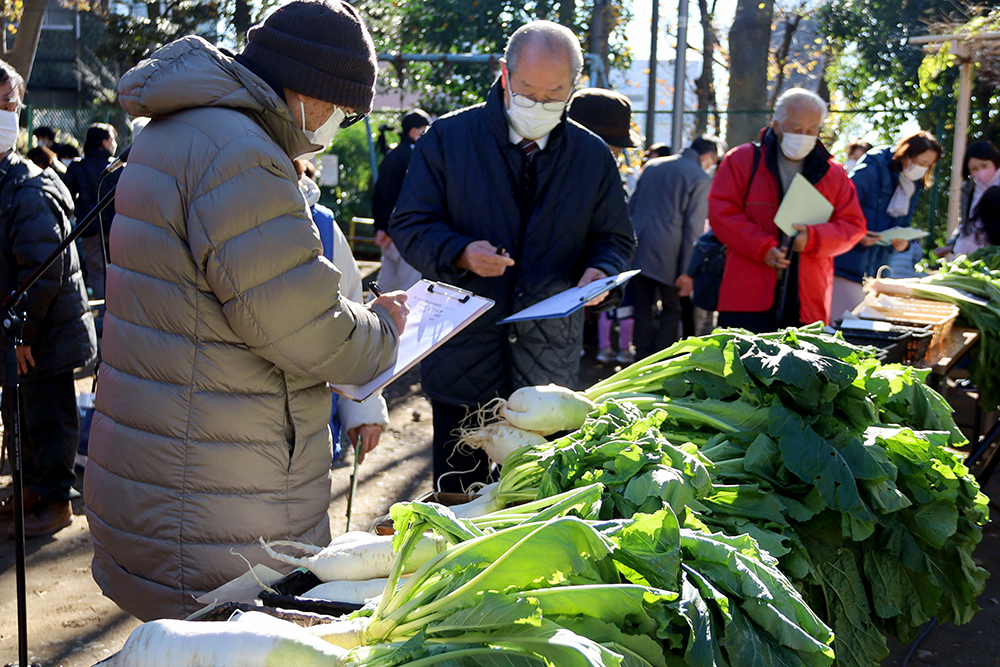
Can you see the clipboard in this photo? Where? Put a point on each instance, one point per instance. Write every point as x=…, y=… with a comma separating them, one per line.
x=907, y=233
x=570, y=301
x=437, y=312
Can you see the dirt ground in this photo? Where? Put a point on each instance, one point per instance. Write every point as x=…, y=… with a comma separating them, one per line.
x=72, y=624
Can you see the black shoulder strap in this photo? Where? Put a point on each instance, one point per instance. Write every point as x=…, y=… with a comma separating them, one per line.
x=753, y=170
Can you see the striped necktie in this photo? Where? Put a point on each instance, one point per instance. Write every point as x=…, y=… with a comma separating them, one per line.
x=528, y=150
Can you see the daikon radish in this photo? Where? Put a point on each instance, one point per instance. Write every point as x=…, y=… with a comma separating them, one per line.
x=546, y=410
x=499, y=439
x=171, y=643
x=483, y=504
x=347, y=633
x=346, y=538
x=358, y=560
x=352, y=592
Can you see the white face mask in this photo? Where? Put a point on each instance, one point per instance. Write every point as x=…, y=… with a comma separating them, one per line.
x=324, y=134
x=850, y=164
x=914, y=172
x=531, y=122
x=797, y=146
x=8, y=130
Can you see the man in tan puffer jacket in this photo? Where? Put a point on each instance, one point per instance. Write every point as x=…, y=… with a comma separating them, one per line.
x=224, y=321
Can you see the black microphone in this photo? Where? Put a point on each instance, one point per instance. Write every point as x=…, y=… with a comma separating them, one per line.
x=118, y=163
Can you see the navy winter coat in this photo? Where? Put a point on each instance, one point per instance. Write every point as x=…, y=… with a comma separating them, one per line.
x=876, y=181
x=462, y=186
x=35, y=208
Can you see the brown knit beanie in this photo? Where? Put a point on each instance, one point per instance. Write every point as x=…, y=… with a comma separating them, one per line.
x=319, y=48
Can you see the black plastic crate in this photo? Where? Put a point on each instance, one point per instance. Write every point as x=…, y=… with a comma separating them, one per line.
x=289, y=590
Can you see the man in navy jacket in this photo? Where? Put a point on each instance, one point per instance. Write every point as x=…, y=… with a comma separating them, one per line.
x=511, y=201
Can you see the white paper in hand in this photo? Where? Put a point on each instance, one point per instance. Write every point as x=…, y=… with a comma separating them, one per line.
x=803, y=205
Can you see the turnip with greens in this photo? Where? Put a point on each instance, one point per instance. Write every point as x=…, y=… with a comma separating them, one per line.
x=499, y=439
x=546, y=410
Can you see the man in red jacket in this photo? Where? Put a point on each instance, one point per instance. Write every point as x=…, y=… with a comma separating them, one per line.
x=746, y=193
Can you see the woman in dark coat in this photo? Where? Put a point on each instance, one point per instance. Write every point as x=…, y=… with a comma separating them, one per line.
x=889, y=181
x=86, y=181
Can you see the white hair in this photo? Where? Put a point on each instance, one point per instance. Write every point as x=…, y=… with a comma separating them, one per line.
x=797, y=97
x=552, y=37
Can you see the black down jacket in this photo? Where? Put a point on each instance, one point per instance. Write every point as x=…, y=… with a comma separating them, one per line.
x=35, y=208
x=462, y=186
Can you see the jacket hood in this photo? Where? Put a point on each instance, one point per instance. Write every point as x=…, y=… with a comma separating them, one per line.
x=190, y=73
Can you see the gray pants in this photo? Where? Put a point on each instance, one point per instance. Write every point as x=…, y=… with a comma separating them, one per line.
x=93, y=261
x=395, y=273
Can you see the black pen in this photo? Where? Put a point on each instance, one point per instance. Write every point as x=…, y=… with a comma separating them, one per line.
x=374, y=289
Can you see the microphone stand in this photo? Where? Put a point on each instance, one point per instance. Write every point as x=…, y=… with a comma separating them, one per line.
x=11, y=327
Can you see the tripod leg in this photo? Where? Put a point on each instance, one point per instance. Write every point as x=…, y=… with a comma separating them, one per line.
x=14, y=443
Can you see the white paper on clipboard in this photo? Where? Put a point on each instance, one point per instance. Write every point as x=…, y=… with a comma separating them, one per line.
x=570, y=301
x=437, y=312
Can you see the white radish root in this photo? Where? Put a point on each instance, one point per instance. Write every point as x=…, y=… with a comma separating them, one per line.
x=351, y=592
x=546, y=410
x=499, y=439
x=345, y=634
x=482, y=505
x=171, y=643
x=359, y=560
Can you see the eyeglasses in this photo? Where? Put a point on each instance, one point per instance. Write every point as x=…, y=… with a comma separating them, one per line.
x=351, y=119
x=549, y=105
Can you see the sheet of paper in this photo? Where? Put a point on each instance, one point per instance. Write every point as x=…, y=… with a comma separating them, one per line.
x=570, y=301
x=437, y=312
x=803, y=205
x=243, y=588
x=907, y=233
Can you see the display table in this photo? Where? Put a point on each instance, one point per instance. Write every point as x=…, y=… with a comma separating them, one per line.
x=941, y=359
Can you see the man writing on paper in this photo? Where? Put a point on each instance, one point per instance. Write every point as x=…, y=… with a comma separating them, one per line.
x=746, y=193
x=225, y=322
x=511, y=201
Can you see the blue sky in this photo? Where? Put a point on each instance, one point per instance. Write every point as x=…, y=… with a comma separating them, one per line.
x=638, y=29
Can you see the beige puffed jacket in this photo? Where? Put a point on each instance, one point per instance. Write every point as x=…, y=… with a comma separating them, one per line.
x=224, y=324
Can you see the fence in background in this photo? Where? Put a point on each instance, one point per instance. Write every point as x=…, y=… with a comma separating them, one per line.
x=74, y=122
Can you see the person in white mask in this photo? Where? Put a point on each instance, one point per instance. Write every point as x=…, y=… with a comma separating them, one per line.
x=889, y=181
x=771, y=280
x=981, y=169
x=224, y=321
x=513, y=201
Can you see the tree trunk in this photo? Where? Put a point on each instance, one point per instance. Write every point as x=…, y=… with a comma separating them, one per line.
x=241, y=19
x=22, y=55
x=597, y=40
x=749, y=41
x=781, y=55
x=704, y=86
x=567, y=12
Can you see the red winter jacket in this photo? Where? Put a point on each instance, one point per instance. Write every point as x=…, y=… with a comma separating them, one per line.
x=749, y=232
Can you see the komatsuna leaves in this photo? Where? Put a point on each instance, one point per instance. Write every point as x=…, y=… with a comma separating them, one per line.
x=647, y=549
x=817, y=462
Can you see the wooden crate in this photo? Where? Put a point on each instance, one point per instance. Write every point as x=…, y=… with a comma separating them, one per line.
x=911, y=312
